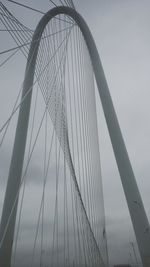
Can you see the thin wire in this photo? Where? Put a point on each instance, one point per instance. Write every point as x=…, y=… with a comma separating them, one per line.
x=55, y=227
x=73, y=4
x=89, y=162
x=90, y=80
x=4, y=30
x=33, y=9
x=53, y=3
x=89, y=158
x=28, y=7
x=13, y=18
x=19, y=38
x=24, y=97
x=11, y=15
x=64, y=130
x=81, y=125
x=6, y=227
x=39, y=215
x=28, y=161
x=73, y=156
x=78, y=235
x=12, y=111
x=66, y=3
x=23, y=193
x=84, y=138
x=9, y=57
x=20, y=46
x=14, y=24
x=4, y=134
x=77, y=70
x=61, y=2
x=15, y=102
x=75, y=111
x=55, y=218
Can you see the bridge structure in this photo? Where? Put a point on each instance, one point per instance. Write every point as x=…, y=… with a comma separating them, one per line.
x=69, y=220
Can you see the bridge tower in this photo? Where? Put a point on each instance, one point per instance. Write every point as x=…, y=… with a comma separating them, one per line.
x=134, y=201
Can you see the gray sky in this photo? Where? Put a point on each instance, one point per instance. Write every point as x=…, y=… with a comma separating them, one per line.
x=121, y=32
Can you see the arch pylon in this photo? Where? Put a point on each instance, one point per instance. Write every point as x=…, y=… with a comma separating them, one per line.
x=133, y=198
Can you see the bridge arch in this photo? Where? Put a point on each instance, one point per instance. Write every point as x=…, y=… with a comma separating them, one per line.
x=137, y=212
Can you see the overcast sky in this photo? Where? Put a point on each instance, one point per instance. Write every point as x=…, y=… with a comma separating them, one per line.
x=121, y=32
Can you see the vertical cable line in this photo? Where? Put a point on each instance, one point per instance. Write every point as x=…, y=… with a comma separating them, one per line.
x=56, y=108
x=82, y=112
x=89, y=152
x=57, y=161
x=77, y=91
x=73, y=156
x=83, y=134
x=57, y=186
x=86, y=148
x=78, y=108
x=98, y=161
x=38, y=224
x=78, y=102
x=44, y=175
x=56, y=171
x=98, y=184
x=74, y=201
x=65, y=174
x=75, y=112
x=65, y=182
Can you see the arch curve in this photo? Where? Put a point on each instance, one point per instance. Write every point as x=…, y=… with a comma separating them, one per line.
x=137, y=212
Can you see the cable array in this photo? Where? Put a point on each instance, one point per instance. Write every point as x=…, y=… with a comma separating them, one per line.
x=60, y=219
